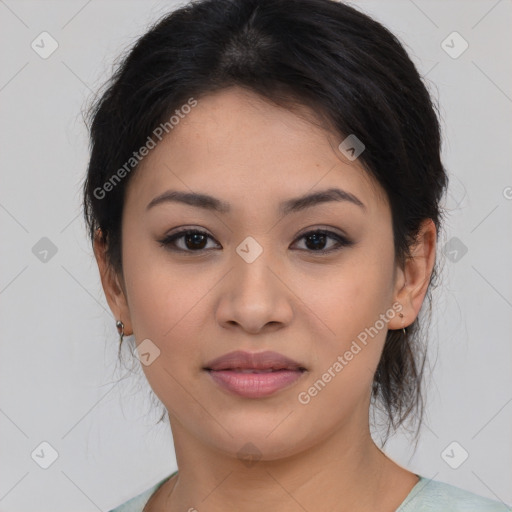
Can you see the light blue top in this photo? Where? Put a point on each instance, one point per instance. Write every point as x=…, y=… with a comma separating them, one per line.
x=426, y=496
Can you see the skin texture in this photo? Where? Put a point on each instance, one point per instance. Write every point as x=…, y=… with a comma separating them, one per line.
x=310, y=307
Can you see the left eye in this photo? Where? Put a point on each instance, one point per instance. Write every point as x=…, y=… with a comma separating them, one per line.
x=319, y=237
x=195, y=241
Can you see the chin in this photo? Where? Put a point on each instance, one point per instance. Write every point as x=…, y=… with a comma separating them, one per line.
x=247, y=442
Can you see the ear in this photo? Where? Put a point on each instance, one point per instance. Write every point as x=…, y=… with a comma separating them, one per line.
x=412, y=281
x=113, y=285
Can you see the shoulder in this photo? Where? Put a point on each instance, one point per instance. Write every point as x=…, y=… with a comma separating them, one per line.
x=136, y=504
x=431, y=495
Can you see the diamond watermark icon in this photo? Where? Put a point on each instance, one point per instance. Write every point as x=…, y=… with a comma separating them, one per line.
x=146, y=351
x=351, y=147
x=249, y=249
x=455, y=249
x=44, y=455
x=454, y=455
x=44, y=250
x=249, y=454
x=454, y=45
x=44, y=45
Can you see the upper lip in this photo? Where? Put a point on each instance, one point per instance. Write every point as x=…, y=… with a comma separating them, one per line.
x=253, y=360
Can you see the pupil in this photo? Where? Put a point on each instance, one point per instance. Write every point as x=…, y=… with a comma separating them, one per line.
x=196, y=237
x=318, y=235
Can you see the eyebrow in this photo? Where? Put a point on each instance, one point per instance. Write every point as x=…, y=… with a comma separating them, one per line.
x=289, y=206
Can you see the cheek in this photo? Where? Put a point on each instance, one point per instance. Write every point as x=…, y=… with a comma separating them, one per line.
x=168, y=305
x=349, y=305
x=351, y=296
x=160, y=294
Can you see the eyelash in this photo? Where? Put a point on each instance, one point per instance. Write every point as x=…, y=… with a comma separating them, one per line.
x=341, y=240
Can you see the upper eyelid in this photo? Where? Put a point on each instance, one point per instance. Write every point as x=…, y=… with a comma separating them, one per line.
x=306, y=231
x=318, y=227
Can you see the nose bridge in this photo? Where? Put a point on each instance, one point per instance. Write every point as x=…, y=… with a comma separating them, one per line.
x=254, y=296
x=252, y=260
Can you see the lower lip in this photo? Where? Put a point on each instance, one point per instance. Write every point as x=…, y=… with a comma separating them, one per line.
x=255, y=385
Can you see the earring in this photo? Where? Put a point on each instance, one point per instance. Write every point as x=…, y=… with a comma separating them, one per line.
x=120, y=330
x=401, y=315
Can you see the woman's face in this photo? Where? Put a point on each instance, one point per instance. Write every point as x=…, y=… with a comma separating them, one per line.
x=255, y=283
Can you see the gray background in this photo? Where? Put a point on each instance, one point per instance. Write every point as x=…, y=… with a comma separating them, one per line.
x=59, y=381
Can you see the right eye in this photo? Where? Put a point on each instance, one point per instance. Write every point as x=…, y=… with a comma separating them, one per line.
x=193, y=241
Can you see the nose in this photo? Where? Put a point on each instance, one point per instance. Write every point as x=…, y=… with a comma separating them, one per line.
x=254, y=296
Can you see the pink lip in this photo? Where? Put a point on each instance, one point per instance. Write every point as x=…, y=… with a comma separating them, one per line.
x=227, y=371
x=254, y=385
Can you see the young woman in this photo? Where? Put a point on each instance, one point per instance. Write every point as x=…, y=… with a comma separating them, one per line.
x=263, y=202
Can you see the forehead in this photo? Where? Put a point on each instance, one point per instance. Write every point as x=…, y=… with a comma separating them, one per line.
x=236, y=145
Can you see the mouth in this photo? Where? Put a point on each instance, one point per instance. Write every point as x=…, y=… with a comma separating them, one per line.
x=254, y=375
x=255, y=370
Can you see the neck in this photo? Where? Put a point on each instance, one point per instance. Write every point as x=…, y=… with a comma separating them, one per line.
x=346, y=472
